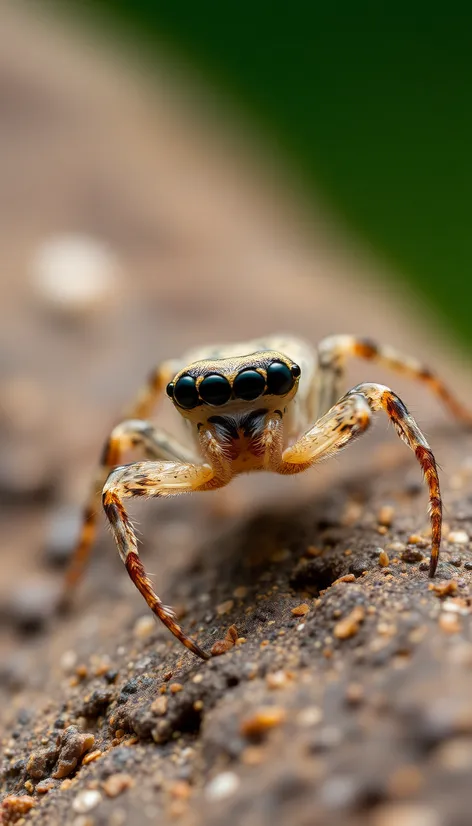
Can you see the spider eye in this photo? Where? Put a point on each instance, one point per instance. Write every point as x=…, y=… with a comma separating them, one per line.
x=215, y=390
x=248, y=385
x=280, y=378
x=170, y=389
x=185, y=392
x=296, y=370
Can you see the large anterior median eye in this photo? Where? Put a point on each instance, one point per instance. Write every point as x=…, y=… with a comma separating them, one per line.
x=279, y=379
x=185, y=392
x=215, y=390
x=248, y=385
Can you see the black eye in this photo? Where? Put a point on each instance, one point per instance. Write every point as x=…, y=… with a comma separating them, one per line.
x=215, y=390
x=185, y=392
x=296, y=370
x=170, y=389
x=248, y=385
x=279, y=379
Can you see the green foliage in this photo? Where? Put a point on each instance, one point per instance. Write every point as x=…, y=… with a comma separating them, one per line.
x=373, y=107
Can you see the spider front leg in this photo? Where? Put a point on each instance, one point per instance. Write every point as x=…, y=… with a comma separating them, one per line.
x=152, y=479
x=332, y=356
x=149, y=395
x=133, y=433
x=349, y=418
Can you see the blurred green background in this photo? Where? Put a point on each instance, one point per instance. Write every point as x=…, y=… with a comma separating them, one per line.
x=370, y=104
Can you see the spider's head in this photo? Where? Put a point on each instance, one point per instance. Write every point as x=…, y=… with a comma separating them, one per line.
x=265, y=380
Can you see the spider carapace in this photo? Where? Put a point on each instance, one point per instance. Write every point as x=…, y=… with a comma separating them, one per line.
x=274, y=404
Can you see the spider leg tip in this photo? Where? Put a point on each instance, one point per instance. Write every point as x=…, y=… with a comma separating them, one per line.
x=433, y=563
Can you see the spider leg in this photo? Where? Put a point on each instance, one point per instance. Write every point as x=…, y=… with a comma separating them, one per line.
x=132, y=433
x=148, y=396
x=334, y=351
x=152, y=479
x=349, y=418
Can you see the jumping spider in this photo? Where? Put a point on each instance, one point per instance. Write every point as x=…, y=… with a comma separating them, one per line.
x=249, y=407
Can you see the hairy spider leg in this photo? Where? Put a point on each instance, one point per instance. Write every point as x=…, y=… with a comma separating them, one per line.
x=133, y=433
x=151, y=479
x=158, y=479
x=332, y=355
x=349, y=418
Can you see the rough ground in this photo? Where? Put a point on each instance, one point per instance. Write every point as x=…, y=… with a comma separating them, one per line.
x=346, y=697
x=341, y=701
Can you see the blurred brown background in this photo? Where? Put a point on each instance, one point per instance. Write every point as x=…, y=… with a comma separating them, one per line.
x=138, y=218
x=191, y=235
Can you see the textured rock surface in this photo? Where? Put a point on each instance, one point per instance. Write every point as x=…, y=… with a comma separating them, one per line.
x=346, y=696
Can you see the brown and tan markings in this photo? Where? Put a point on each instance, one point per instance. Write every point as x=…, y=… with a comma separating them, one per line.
x=279, y=408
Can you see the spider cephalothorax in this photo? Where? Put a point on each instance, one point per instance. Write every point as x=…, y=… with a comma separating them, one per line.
x=229, y=382
x=273, y=405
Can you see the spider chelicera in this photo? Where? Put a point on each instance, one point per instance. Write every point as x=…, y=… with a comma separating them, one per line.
x=271, y=404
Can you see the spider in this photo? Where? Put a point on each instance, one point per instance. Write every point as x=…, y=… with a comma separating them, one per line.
x=272, y=404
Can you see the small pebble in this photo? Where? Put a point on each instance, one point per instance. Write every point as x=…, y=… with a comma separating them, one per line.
x=159, y=706
x=411, y=555
x=73, y=745
x=264, y=719
x=313, y=550
x=144, y=626
x=345, y=578
x=456, y=561
x=174, y=688
x=385, y=515
x=81, y=671
x=458, y=537
x=300, y=610
x=230, y=640
x=349, y=626
x=278, y=679
x=14, y=806
x=449, y=623
x=309, y=716
x=91, y=757
x=222, y=786
x=396, y=547
x=416, y=539
x=224, y=607
x=44, y=786
x=180, y=790
x=240, y=592
x=68, y=661
x=74, y=274
x=384, y=559
x=444, y=589
x=116, y=784
x=86, y=800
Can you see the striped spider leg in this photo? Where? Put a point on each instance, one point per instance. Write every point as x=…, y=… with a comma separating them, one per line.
x=157, y=479
x=246, y=406
x=333, y=352
x=351, y=417
x=130, y=434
